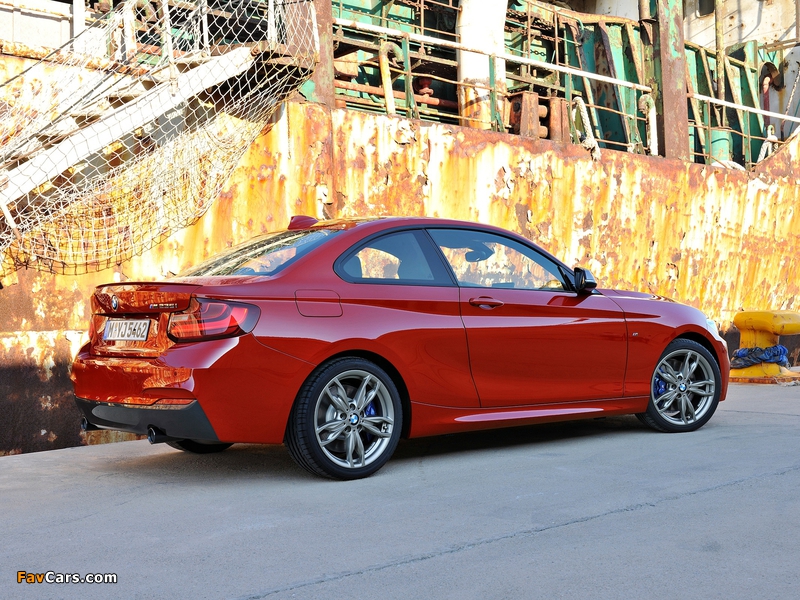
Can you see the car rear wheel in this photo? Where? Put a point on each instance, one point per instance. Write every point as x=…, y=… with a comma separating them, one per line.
x=346, y=421
x=198, y=447
x=684, y=388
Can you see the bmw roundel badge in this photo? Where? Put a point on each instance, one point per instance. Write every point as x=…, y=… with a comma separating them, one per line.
x=114, y=303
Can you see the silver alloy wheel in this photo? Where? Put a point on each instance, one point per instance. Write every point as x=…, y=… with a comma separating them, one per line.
x=354, y=418
x=683, y=387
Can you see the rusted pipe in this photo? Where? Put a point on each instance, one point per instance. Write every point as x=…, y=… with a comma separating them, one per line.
x=720, y=39
x=644, y=10
x=371, y=89
x=386, y=74
x=648, y=106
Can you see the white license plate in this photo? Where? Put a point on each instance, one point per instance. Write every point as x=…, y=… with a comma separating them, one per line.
x=127, y=330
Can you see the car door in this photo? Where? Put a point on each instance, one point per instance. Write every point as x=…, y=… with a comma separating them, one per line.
x=531, y=340
x=403, y=297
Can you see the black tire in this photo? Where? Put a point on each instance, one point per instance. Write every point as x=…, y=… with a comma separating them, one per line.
x=198, y=447
x=684, y=388
x=346, y=437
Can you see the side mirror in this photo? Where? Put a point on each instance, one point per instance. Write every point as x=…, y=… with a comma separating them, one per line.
x=584, y=281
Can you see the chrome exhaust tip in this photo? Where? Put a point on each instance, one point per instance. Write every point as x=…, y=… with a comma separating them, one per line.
x=86, y=426
x=156, y=436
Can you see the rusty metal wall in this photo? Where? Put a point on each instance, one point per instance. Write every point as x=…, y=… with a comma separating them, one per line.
x=43, y=317
x=718, y=239
x=715, y=238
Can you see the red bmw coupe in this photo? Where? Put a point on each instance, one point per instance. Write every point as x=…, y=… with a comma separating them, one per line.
x=339, y=337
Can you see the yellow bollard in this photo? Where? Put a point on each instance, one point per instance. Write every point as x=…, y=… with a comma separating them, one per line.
x=762, y=329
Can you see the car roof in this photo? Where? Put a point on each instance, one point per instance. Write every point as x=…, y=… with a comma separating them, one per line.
x=365, y=226
x=387, y=222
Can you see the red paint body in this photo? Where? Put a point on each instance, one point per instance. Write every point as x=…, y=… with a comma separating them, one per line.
x=539, y=355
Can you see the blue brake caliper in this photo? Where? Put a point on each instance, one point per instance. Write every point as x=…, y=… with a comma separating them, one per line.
x=659, y=387
x=370, y=412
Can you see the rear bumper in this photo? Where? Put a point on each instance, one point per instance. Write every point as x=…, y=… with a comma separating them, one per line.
x=244, y=389
x=185, y=422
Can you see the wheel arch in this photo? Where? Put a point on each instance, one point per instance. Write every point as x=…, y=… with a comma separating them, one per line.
x=399, y=382
x=703, y=341
x=665, y=417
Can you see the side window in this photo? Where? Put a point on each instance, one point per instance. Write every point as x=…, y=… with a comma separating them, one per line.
x=394, y=258
x=378, y=264
x=480, y=259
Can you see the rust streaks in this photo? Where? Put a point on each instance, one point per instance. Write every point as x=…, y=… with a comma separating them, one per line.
x=717, y=239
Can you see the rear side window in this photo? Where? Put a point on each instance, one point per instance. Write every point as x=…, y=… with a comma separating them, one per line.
x=404, y=257
x=264, y=255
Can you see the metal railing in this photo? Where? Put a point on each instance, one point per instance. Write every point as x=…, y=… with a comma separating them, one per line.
x=416, y=105
x=712, y=144
x=436, y=18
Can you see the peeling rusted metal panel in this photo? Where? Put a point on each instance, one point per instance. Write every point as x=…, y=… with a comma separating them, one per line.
x=38, y=412
x=718, y=239
x=715, y=238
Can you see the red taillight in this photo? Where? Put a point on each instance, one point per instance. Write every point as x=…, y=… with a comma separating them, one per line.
x=212, y=319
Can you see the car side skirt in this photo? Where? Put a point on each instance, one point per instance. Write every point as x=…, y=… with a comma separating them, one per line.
x=438, y=420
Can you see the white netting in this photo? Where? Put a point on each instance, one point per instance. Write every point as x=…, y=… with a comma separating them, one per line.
x=129, y=132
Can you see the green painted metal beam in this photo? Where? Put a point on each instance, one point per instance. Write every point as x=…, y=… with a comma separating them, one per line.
x=670, y=56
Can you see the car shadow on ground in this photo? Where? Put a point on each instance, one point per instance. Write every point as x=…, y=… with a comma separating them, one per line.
x=244, y=462
x=536, y=437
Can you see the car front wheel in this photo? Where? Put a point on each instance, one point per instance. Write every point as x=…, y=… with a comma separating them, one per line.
x=684, y=388
x=346, y=421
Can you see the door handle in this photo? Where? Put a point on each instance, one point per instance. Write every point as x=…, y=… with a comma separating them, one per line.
x=485, y=302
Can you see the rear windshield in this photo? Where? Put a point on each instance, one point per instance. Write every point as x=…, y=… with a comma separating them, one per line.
x=264, y=255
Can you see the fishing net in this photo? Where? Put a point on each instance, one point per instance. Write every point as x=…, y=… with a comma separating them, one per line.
x=129, y=131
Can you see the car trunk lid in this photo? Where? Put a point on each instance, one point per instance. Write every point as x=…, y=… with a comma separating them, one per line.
x=131, y=319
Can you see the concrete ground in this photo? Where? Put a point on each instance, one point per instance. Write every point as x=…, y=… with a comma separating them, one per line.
x=591, y=509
